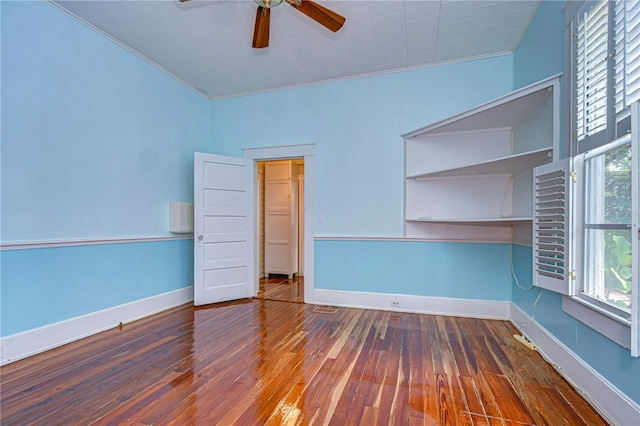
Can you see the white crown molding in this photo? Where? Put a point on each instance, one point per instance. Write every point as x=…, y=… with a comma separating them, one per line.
x=129, y=49
x=364, y=75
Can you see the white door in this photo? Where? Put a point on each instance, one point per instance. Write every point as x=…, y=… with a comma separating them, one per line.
x=277, y=223
x=223, y=228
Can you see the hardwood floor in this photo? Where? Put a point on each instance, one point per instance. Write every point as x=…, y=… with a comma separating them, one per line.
x=280, y=287
x=257, y=362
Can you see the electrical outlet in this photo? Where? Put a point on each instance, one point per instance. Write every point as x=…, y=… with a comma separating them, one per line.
x=395, y=303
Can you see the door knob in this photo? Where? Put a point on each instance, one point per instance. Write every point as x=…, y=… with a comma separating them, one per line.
x=200, y=237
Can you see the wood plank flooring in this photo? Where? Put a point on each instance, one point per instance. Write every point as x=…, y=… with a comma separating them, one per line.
x=280, y=287
x=262, y=362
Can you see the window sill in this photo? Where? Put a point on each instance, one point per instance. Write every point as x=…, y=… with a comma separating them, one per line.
x=609, y=325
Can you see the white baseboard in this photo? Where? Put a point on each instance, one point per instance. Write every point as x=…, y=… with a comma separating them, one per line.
x=616, y=407
x=21, y=345
x=488, y=309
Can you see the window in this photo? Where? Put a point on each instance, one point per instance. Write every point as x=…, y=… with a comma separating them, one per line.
x=627, y=54
x=601, y=274
x=607, y=226
x=606, y=70
x=591, y=52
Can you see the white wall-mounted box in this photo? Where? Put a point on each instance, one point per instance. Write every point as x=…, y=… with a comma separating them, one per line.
x=180, y=218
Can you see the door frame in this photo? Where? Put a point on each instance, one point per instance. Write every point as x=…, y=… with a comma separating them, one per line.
x=285, y=152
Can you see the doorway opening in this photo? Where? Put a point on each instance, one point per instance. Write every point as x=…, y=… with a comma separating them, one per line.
x=304, y=154
x=280, y=198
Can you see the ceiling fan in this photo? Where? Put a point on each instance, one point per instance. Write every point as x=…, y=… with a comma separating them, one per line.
x=320, y=14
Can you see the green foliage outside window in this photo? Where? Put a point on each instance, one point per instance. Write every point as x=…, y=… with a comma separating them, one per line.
x=617, y=199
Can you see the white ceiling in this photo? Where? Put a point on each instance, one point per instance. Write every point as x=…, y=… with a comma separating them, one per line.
x=207, y=43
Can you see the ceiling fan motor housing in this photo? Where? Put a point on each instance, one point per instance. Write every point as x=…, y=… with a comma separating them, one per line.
x=268, y=3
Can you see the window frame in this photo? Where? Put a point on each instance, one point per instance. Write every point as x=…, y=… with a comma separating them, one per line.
x=613, y=322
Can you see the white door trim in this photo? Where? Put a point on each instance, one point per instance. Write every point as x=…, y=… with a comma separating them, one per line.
x=306, y=151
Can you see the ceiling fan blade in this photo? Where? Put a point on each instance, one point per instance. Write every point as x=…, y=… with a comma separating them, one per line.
x=320, y=14
x=261, y=29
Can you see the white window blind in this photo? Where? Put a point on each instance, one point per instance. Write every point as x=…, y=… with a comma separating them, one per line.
x=553, y=188
x=591, y=52
x=627, y=54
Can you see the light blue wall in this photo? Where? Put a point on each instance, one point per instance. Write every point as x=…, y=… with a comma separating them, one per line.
x=44, y=286
x=357, y=127
x=95, y=143
x=359, y=172
x=541, y=53
x=415, y=268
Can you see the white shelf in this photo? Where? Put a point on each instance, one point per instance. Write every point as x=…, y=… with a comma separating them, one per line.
x=470, y=176
x=504, y=111
x=512, y=164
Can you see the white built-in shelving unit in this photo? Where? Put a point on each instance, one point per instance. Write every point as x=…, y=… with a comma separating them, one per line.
x=469, y=177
